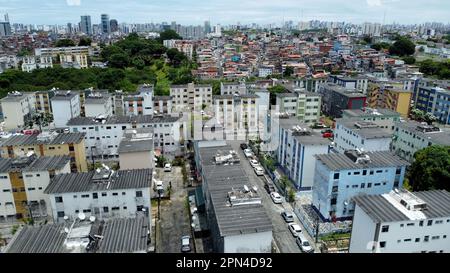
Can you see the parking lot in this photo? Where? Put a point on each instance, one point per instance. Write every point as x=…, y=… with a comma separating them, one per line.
x=174, y=220
x=284, y=240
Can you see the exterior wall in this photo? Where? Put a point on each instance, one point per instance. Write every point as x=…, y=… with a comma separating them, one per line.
x=73, y=203
x=260, y=242
x=64, y=110
x=405, y=143
x=346, y=139
x=184, y=96
x=136, y=160
x=350, y=184
x=14, y=112
x=383, y=121
x=96, y=109
x=363, y=232
x=7, y=206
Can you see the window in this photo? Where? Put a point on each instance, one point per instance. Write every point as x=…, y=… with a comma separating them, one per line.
x=354, y=186
x=95, y=195
x=417, y=240
x=421, y=223
x=336, y=176
x=430, y=222
x=377, y=184
x=426, y=238
x=402, y=225
x=105, y=209
x=138, y=193
x=58, y=199
x=31, y=189
x=75, y=196
x=87, y=210
x=115, y=208
x=435, y=237
x=124, y=208
x=364, y=172
x=123, y=193
x=382, y=244
x=60, y=214
x=438, y=222
x=407, y=240
x=85, y=196
x=77, y=211
x=371, y=172
x=115, y=193
x=410, y=224
x=384, y=228
x=104, y=194
x=369, y=185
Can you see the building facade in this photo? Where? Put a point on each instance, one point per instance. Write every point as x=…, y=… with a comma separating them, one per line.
x=65, y=105
x=17, y=109
x=187, y=96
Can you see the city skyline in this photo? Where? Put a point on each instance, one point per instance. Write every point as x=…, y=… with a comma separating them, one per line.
x=230, y=12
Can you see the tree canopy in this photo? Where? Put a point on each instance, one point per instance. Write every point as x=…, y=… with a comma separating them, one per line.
x=169, y=34
x=380, y=46
x=439, y=69
x=64, y=43
x=431, y=169
x=85, y=41
x=402, y=47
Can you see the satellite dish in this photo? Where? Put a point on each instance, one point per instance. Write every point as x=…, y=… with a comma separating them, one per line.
x=66, y=230
x=92, y=218
x=345, y=203
x=81, y=216
x=66, y=217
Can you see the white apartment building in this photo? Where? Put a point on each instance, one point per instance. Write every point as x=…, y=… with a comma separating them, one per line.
x=266, y=70
x=98, y=104
x=231, y=88
x=55, y=51
x=65, y=105
x=185, y=97
x=103, y=135
x=17, y=108
x=301, y=104
x=101, y=193
x=29, y=63
x=384, y=118
x=77, y=61
x=136, y=149
x=184, y=46
x=353, y=133
x=23, y=181
x=340, y=177
x=162, y=104
x=402, y=222
x=139, y=103
x=411, y=136
x=297, y=147
x=238, y=115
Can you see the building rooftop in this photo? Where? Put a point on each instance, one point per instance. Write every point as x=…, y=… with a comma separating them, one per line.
x=302, y=133
x=351, y=93
x=77, y=121
x=156, y=98
x=381, y=159
x=365, y=129
x=369, y=112
x=44, y=163
x=222, y=179
x=441, y=137
x=65, y=95
x=137, y=140
x=15, y=96
x=287, y=95
x=52, y=139
x=404, y=206
x=97, y=98
x=124, y=235
x=100, y=181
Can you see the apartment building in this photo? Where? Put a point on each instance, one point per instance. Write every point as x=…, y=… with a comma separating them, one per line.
x=309, y=84
x=384, y=118
x=297, y=146
x=30, y=63
x=65, y=105
x=238, y=115
x=98, y=104
x=103, y=135
x=353, y=83
x=231, y=88
x=17, y=108
x=139, y=103
x=353, y=133
x=55, y=51
x=340, y=177
x=24, y=180
x=398, y=100
x=402, y=222
x=162, y=104
x=411, y=136
x=185, y=97
x=301, y=104
x=184, y=46
x=102, y=193
x=336, y=99
x=434, y=100
x=236, y=217
x=48, y=144
x=43, y=101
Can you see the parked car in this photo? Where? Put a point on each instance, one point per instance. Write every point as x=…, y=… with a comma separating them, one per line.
x=276, y=197
x=29, y=132
x=319, y=125
x=303, y=243
x=248, y=153
x=167, y=167
x=158, y=185
x=327, y=135
x=254, y=163
x=326, y=131
x=244, y=146
x=295, y=229
x=259, y=170
x=287, y=216
x=185, y=244
x=269, y=187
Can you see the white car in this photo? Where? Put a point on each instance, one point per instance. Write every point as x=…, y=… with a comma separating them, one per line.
x=158, y=185
x=254, y=163
x=303, y=243
x=259, y=170
x=248, y=153
x=276, y=197
x=168, y=167
x=294, y=229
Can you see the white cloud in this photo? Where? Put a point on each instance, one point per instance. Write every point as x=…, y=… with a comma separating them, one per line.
x=73, y=2
x=374, y=3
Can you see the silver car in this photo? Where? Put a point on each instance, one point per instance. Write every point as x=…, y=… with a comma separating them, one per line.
x=185, y=244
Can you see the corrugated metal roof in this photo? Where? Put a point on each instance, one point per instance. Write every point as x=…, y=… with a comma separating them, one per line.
x=62, y=138
x=83, y=182
x=123, y=120
x=48, y=163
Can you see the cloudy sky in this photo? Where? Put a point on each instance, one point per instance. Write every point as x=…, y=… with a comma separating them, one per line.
x=226, y=11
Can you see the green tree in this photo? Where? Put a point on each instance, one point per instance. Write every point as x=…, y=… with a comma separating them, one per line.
x=64, y=43
x=402, y=47
x=430, y=169
x=85, y=41
x=288, y=71
x=118, y=60
x=284, y=182
x=409, y=60
x=367, y=39
x=169, y=34
x=273, y=91
x=291, y=193
x=380, y=46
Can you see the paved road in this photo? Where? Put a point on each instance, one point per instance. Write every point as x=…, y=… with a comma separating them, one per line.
x=174, y=215
x=283, y=237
